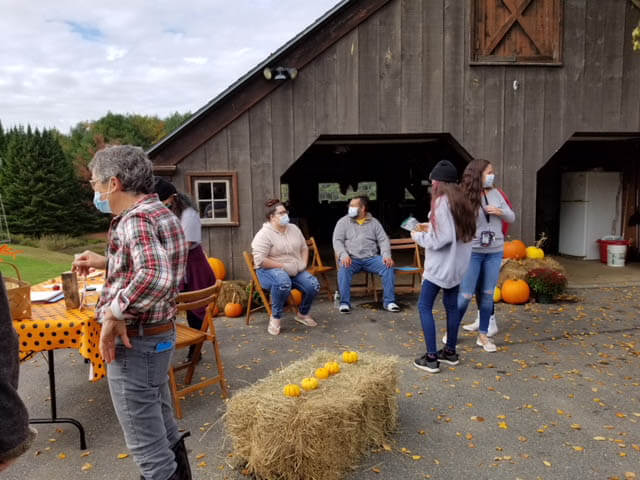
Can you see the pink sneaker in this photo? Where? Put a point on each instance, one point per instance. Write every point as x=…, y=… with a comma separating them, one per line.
x=274, y=326
x=306, y=320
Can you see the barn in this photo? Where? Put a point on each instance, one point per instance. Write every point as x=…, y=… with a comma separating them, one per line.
x=374, y=93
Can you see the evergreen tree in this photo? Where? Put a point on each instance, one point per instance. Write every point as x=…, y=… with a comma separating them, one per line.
x=40, y=191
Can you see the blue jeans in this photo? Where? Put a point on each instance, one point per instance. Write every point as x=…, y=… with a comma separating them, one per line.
x=481, y=278
x=425, y=307
x=280, y=284
x=373, y=265
x=139, y=386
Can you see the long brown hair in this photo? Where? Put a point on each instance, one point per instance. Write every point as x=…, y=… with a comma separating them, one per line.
x=472, y=181
x=464, y=215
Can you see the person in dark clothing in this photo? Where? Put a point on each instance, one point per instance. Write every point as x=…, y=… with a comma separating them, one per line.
x=16, y=435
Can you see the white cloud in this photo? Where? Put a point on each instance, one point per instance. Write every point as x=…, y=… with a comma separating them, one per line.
x=132, y=56
x=196, y=60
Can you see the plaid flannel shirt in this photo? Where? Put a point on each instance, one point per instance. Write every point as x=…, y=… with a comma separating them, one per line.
x=146, y=261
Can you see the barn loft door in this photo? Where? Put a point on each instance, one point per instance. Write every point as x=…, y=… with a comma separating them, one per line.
x=517, y=32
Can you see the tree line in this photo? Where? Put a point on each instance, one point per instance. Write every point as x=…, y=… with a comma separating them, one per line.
x=44, y=178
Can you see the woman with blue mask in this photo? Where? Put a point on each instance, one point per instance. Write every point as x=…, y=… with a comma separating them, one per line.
x=280, y=255
x=487, y=249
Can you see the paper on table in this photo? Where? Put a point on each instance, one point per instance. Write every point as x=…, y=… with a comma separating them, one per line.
x=44, y=296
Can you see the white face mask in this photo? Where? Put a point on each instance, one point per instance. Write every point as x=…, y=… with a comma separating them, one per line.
x=284, y=219
x=353, y=212
x=488, y=180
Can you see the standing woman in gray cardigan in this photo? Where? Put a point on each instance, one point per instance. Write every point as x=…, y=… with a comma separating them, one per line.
x=487, y=247
x=447, y=243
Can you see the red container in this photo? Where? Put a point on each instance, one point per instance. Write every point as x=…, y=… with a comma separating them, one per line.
x=605, y=243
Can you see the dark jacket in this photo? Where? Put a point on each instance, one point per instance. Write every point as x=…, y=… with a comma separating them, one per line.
x=15, y=434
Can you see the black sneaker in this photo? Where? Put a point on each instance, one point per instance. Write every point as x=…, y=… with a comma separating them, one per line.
x=423, y=363
x=449, y=358
x=345, y=308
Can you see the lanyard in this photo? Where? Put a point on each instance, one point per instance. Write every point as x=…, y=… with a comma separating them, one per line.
x=486, y=215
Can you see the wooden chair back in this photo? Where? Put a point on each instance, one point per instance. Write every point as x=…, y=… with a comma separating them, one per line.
x=317, y=268
x=414, y=269
x=187, y=336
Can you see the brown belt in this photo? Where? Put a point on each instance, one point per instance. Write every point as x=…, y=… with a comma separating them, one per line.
x=165, y=327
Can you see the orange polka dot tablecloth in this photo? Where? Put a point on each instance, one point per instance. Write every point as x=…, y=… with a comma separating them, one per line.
x=52, y=326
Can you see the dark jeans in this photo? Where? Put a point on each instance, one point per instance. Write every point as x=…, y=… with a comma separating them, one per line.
x=425, y=307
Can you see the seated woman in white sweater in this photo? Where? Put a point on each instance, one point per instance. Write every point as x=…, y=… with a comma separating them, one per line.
x=280, y=255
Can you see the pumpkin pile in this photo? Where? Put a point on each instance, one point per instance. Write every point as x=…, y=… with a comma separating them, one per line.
x=323, y=432
x=322, y=373
x=518, y=261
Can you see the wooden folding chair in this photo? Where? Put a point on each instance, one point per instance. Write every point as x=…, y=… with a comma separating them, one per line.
x=317, y=268
x=414, y=269
x=254, y=286
x=187, y=336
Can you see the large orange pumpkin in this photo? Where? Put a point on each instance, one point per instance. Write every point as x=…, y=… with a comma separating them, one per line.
x=218, y=268
x=515, y=249
x=295, y=297
x=515, y=291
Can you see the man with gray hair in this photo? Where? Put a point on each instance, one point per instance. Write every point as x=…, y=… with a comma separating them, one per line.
x=146, y=259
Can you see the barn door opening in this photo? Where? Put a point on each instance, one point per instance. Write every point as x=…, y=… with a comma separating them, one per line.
x=590, y=188
x=392, y=170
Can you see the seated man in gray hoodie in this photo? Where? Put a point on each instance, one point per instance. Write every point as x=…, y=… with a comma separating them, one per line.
x=15, y=434
x=361, y=244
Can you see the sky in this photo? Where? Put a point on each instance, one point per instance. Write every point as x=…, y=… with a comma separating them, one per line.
x=63, y=62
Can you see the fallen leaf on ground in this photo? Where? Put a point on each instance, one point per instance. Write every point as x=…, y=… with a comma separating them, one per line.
x=86, y=466
x=122, y=455
x=62, y=456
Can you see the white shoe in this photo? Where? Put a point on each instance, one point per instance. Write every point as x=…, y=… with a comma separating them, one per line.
x=493, y=326
x=392, y=307
x=444, y=339
x=486, y=344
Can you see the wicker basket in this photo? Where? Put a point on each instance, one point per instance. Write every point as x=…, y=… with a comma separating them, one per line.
x=19, y=297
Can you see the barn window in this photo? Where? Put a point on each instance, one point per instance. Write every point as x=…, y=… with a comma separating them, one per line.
x=516, y=32
x=330, y=192
x=216, y=196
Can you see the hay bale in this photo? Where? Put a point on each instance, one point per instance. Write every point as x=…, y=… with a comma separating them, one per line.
x=229, y=289
x=517, y=269
x=511, y=270
x=321, y=434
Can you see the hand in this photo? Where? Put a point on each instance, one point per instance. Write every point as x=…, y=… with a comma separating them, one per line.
x=6, y=464
x=86, y=260
x=491, y=210
x=388, y=262
x=423, y=227
x=112, y=328
x=346, y=261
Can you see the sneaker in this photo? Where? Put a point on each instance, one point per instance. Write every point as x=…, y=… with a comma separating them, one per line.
x=485, y=342
x=392, y=307
x=305, y=320
x=344, y=308
x=493, y=326
x=274, y=326
x=444, y=339
x=423, y=363
x=448, y=358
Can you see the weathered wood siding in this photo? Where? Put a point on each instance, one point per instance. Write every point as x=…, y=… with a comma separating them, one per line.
x=406, y=69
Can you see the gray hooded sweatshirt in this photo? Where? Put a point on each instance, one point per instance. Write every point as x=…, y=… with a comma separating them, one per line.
x=360, y=241
x=446, y=258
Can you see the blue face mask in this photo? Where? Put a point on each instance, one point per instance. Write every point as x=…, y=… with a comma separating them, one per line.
x=284, y=219
x=102, y=205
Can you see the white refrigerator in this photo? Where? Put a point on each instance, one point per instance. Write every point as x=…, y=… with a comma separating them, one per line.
x=590, y=208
